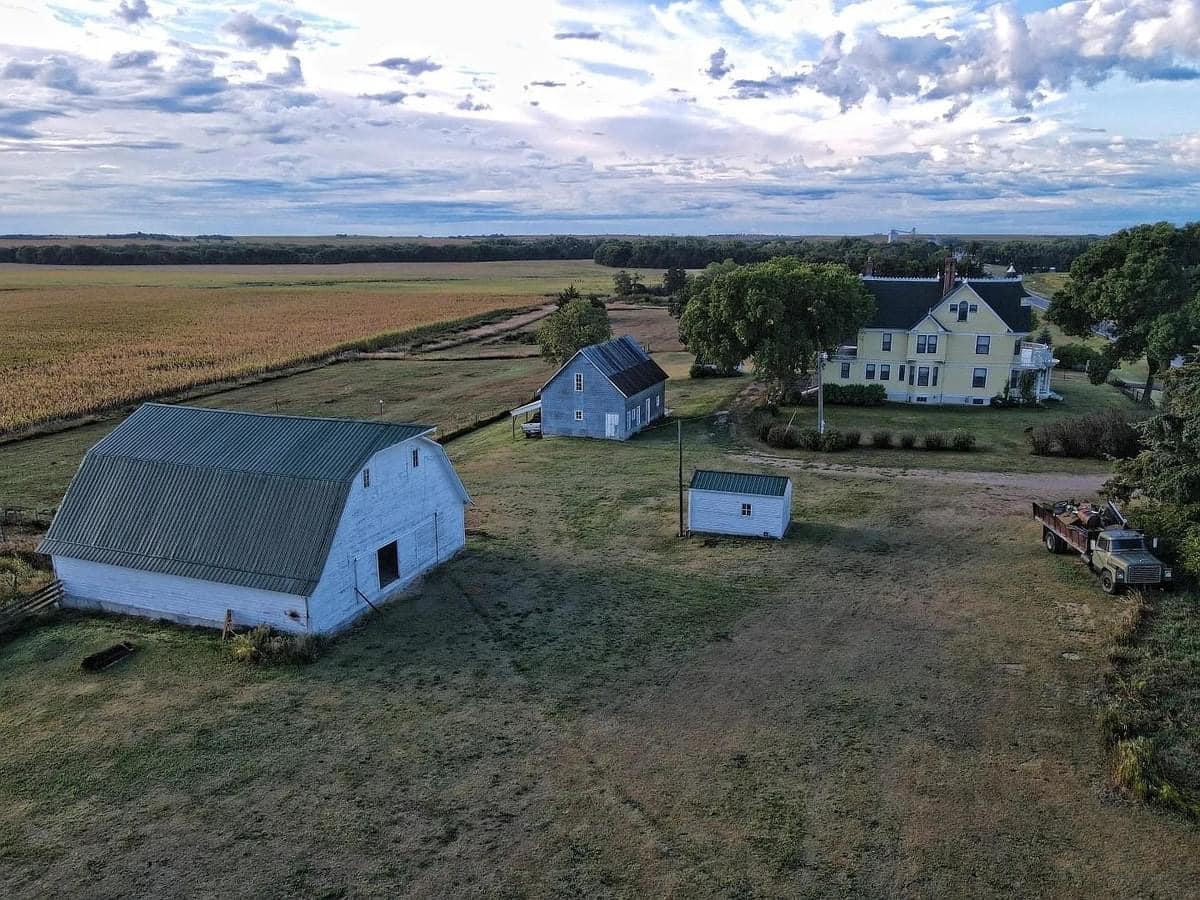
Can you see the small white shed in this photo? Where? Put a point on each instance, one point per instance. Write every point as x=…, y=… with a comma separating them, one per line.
x=303, y=524
x=739, y=503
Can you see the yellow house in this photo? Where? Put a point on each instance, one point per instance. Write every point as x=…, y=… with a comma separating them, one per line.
x=945, y=341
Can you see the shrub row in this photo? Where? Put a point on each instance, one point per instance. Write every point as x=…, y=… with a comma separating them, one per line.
x=790, y=438
x=712, y=370
x=846, y=395
x=1100, y=436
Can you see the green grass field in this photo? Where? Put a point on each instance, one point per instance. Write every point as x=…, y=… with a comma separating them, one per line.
x=1000, y=433
x=892, y=701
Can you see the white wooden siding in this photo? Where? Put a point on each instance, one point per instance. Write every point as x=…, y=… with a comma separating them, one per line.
x=402, y=504
x=714, y=512
x=189, y=601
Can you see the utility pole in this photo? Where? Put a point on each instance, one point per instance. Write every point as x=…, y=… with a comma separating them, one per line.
x=679, y=433
x=822, y=356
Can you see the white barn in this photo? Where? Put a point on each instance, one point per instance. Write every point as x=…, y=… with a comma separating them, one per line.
x=739, y=503
x=303, y=524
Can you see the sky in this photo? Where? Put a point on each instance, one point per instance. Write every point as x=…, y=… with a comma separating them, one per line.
x=597, y=116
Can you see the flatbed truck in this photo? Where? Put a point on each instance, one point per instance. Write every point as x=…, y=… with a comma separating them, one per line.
x=1120, y=556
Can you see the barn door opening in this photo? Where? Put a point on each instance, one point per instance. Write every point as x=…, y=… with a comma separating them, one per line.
x=612, y=422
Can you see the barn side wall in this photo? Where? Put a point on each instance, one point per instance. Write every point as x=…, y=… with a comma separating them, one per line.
x=598, y=397
x=719, y=513
x=401, y=504
x=189, y=601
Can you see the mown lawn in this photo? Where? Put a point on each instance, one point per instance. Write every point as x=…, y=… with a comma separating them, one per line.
x=892, y=701
x=1000, y=434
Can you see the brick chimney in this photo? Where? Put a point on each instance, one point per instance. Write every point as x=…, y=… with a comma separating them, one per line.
x=948, y=281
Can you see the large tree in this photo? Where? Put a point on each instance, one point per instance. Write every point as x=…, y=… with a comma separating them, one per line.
x=1143, y=285
x=575, y=325
x=780, y=313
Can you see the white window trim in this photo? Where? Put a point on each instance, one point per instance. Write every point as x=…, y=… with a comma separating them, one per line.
x=747, y=510
x=579, y=382
x=579, y=415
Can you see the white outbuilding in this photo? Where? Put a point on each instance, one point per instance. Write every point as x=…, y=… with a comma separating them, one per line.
x=304, y=524
x=739, y=503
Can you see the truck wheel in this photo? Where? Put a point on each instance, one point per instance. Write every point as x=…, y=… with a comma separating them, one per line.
x=1108, y=583
x=1051, y=541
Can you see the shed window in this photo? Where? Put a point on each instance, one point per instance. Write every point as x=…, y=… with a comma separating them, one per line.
x=870, y=371
x=979, y=378
x=845, y=370
x=416, y=457
x=747, y=510
x=885, y=372
x=983, y=344
x=579, y=381
x=887, y=342
x=579, y=415
x=387, y=558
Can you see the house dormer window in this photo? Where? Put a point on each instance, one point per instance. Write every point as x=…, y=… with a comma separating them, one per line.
x=887, y=342
x=932, y=347
x=578, y=381
x=962, y=312
x=921, y=343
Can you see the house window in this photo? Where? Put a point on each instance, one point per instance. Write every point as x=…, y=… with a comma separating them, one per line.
x=416, y=457
x=912, y=370
x=870, y=371
x=746, y=510
x=933, y=343
x=983, y=344
x=845, y=370
x=962, y=312
x=1017, y=347
x=974, y=307
x=901, y=375
x=579, y=381
x=885, y=372
x=887, y=342
x=1014, y=378
x=953, y=307
x=579, y=415
x=923, y=376
x=920, y=343
x=979, y=378
x=935, y=371
x=367, y=472
x=387, y=559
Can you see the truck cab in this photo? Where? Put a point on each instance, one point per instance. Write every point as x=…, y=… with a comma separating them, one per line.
x=1122, y=558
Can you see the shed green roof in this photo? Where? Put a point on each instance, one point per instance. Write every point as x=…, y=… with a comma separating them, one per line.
x=241, y=498
x=739, y=483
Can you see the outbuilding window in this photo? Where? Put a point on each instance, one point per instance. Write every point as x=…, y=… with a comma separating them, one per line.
x=579, y=415
x=579, y=381
x=416, y=457
x=746, y=510
x=387, y=559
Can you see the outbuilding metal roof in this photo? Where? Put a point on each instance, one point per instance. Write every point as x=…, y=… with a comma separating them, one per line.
x=623, y=362
x=739, y=483
x=240, y=498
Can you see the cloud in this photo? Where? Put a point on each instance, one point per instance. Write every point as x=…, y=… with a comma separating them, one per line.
x=469, y=105
x=717, y=67
x=292, y=76
x=391, y=98
x=578, y=36
x=14, y=123
x=132, y=12
x=134, y=59
x=412, y=67
x=548, y=84
x=258, y=34
x=55, y=72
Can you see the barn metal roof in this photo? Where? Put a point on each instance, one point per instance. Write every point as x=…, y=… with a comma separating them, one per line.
x=241, y=498
x=623, y=362
x=739, y=483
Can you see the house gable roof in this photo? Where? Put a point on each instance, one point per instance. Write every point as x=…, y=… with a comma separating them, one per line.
x=900, y=303
x=739, y=483
x=623, y=362
x=240, y=498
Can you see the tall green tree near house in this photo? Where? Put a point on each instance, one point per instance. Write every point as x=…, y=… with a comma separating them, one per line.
x=780, y=313
x=1143, y=285
x=574, y=325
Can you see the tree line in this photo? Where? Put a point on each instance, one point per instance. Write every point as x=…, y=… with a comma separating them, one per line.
x=223, y=252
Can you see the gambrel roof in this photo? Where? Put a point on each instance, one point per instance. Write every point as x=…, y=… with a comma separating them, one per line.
x=623, y=362
x=901, y=303
x=241, y=498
